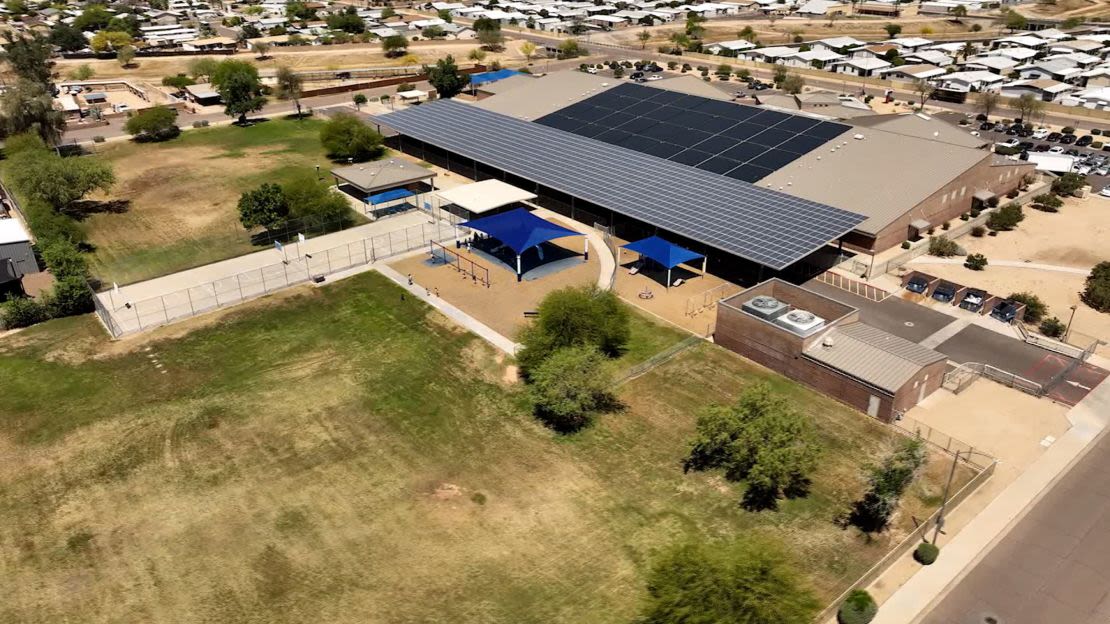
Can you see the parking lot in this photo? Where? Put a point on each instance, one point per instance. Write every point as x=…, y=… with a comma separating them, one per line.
x=1094, y=163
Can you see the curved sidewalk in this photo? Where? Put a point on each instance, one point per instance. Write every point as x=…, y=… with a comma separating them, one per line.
x=1020, y=264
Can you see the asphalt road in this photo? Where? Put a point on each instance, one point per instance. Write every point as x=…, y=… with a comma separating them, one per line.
x=897, y=316
x=1053, y=567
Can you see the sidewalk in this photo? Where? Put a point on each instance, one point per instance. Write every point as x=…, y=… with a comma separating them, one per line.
x=913, y=600
x=1005, y=263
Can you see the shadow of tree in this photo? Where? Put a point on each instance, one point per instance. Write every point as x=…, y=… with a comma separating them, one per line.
x=81, y=209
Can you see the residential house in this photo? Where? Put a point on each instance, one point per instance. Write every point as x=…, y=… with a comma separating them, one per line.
x=909, y=73
x=1019, y=41
x=837, y=44
x=930, y=57
x=16, y=256
x=865, y=67
x=967, y=81
x=729, y=48
x=992, y=63
x=1057, y=69
x=1044, y=89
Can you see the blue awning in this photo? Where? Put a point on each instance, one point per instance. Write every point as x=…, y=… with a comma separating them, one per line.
x=666, y=253
x=519, y=229
x=390, y=195
x=492, y=76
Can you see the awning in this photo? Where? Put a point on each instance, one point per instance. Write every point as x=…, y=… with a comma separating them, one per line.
x=920, y=224
x=492, y=76
x=381, y=198
x=983, y=195
x=519, y=229
x=484, y=196
x=664, y=252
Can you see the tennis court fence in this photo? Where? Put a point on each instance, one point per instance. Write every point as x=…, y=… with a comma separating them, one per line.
x=122, y=318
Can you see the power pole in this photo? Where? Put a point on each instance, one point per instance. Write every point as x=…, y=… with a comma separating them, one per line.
x=944, y=501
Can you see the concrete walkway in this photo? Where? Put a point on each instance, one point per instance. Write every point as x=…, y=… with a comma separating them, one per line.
x=597, y=244
x=1004, y=263
x=911, y=603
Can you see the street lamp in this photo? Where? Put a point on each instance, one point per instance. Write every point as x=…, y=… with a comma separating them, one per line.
x=1067, y=332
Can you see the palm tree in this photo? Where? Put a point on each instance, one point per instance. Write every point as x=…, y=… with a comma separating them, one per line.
x=968, y=49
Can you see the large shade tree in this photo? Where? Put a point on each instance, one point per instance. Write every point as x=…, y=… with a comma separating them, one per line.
x=446, y=77
x=239, y=87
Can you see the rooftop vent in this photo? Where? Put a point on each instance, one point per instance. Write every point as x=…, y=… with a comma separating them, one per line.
x=764, y=307
x=800, y=322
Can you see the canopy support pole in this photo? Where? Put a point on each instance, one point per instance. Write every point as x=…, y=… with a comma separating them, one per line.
x=668, y=279
x=704, y=263
x=587, y=252
x=518, y=267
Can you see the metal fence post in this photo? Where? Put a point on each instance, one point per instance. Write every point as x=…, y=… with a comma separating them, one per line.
x=240, y=284
x=165, y=312
x=189, y=294
x=328, y=254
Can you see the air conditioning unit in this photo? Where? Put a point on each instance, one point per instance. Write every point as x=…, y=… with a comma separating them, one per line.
x=800, y=322
x=764, y=307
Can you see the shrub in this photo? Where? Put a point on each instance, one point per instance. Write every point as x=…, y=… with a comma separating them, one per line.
x=1068, y=184
x=964, y=217
x=926, y=553
x=978, y=231
x=345, y=137
x=1048, y=202
x=888, y=482
x=570, y=387
x=1096, y=131
x=975, y=212
x=22, y=312
x=945, y=226
x=1096, y=291
x=1067, y=130
x=1035, y=309
x=200, y=124
x=943, y=247
x=1097, y=145
x=1052, y=327
x=976, y=262
x=99, y=139
x=906, y=244
x=1012, y=194
x=157, y=123
x=1005, y=218
x=858, y=608
x=70, y=296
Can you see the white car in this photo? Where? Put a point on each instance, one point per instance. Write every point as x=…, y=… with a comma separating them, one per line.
x=1084, y=170
x=591, y=70
x=1056, y=150
x=1103, y=170
x=1041, y=133
x=1105, y=192
x=1010, y=143
x=655, y=77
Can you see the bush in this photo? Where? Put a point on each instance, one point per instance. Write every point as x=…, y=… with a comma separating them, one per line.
x=945, y=226
x=1035, y=309
x=1068, y=184
x=200, y=124
x=157, y=123
x=1067, y=130
x=1052, y=327
x=572, y=317
x=1005, y=218
x=964, y=217
x=943, y=247
x=70, y=296
x=1096, y=131
x=906, y=244
x=975, y=212
x=926, y=553
x=1097, y=145
x=570, y=388
x=22, y=312
x=978, y=231
x=976, y=262
x=1096, y=291
x=345, y=137
x=1048, y=202
x=858, y=608
x=887, y=483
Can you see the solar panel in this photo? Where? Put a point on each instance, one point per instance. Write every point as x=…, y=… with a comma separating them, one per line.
x=693, y=122
x=759, y=224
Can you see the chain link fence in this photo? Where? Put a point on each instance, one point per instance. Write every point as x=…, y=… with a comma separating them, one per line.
x=128, y=317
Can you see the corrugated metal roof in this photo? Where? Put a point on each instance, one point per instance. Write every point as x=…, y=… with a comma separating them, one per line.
x=872, y=355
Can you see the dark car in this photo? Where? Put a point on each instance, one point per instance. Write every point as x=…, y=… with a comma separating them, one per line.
x=973, y=300
x=944, y=292
x=759, y=86
x=1013, y=130
x=1084, y=140
x=1026, y=145
x=636, y=75
x=1001, y=127
x=981, y=117
x=986, y=126
x=917, y=284
x=1041, y=147
x=655, y=68
x=1005, y=311
x=1067, y=139
x=1071, y=152
x=1053, y=137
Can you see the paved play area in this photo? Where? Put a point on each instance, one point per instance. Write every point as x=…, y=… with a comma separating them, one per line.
x=143, y=305
x=691, y=305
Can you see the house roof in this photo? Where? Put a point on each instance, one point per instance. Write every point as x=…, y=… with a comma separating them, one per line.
x=12, y=231
x=872, y=355
x=370, y=177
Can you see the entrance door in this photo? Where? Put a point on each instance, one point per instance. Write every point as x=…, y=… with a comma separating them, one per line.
x=873, y=406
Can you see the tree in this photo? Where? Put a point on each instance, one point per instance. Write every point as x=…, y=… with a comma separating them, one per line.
x=203, y=67
x=528, y=49
x=69, y=296
x=347, y=21
x=1028, y=106
x=345, y=137
x=975, y=262
x=261, y=49
x=125, y=55
x=289, y=87
x=1096, y=289
x=747, y=34
x=1071, y=22
x=128, y=24
x=761, y=439
x=569, y=49
x=359, y=99
x=264, y=206
x=1048, y=202
x=643, y=36
x=943, y=247
x=747, y=580
x=309, y=198
x=445, y=15
x=82, y=72
x=695, y=28
x=28, y=107
x=1015, y=21
x=887, y=482
x=1005, y=218
x=22, y=312
x=570, y=317
x=108, y=40
x=446, y=77
x=924, y=90
x=395, y=45
x=1035, y=309
x=1053, y=327
x=29, y=56
x=570, y=388
x=987, y=102
x=959, y=12
x=94, y=17
x=489, y=33
x=792, y=84
x=249, y=31
x=58, y=182
x=892, y=30
x=388, y=12
x=434, y=32
x=156, y=123
x=239, y=87
x=778, y=75
x=1068, y=184
x=968, y=48
x=299, y=11
x=68, y=38
x=178, y=82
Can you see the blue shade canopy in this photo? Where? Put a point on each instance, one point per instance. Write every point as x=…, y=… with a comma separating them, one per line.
x=519, y=229
x=492, y=76
x=381, y=198
x=666, y=253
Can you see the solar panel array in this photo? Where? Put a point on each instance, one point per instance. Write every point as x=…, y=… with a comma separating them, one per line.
x=762, y=225
x=739, y=141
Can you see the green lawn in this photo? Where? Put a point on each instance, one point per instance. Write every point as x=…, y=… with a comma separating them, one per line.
x=342, y=454
x=182, y=195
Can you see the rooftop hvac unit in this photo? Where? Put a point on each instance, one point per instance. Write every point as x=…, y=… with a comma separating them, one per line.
x=800, y=322
x=764, y=307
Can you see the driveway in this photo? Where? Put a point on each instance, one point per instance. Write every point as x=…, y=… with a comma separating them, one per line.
x=900, y=317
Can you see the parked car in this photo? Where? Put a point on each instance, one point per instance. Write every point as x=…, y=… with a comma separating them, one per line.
x=636, y=75
x=1008, y=143
x=655, y=77
x=759, y=86
x=1083, y=170
x=1056, y=150
x=591, y=70
x=1041, y=147
x=1001, y=127
x=917, y=284
x=1040, y=133
x=655, y=68
x=1084, y=140
x=1013, y=130
x=1105, y=192
x=1071, y=152
x=1103, y=170
x=1005, y=311
x=1053, y=137
x=1067, y=139
x=1026, y=145
x=944, y=292
x=973, y=300
x=986, y=125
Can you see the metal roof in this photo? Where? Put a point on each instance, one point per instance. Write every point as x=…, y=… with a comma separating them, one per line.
x=12, y=231
x=371, y=177
x=762, y=225
x=872, y=355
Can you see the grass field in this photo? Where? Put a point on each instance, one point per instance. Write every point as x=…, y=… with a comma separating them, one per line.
x=345, y=455
x=181, y=195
